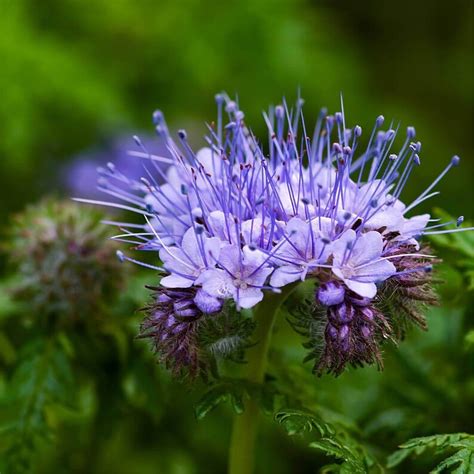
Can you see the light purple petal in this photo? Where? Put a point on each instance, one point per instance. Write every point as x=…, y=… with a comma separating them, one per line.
x=367, y=290
x=249, y=297
x=367, y=247
x=285, y=275
x=217, y=283
x=374, y=272
x=176, y=281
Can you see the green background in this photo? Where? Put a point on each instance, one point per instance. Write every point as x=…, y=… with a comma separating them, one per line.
x=76, y=73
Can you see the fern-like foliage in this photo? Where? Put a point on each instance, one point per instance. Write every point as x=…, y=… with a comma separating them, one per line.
x=235, y=391
x=42, y=381
x=459, y=447
x=334, y=441
x=299, y=422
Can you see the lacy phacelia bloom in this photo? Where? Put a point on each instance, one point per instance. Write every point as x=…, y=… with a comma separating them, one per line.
x=237, y=219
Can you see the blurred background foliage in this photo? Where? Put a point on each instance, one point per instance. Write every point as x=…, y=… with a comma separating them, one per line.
x=75, y=75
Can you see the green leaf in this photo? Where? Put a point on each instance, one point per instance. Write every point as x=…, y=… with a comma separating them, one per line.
x=334, y=440
x=234, y=391
x=353, y=461
x=463, y=459
x=461, y=462
x=41, y=384
x=299, y=422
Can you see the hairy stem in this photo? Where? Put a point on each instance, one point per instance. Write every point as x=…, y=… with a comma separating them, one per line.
x=245, y=427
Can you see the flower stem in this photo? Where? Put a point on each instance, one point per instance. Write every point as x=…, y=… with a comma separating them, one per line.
x=245, y=427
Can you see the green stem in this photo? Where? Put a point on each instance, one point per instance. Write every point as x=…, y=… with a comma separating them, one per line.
x=244, y=431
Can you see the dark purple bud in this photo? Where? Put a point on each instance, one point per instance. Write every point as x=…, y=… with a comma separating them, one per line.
x=158, y=314
x=345, y=313
x=331, y=331
x=185, y=308
x=336, y=148
x=357, y=130
x=182, y=134
x=171, y=321
x=347, y=150
x=459, y=221
x=331, y=293
x=379, y=121
x=206, y=303
x=358, y=300
x=163, y=298
x=390, y=134
x=338, y=117
x=343, y=332
x=368, y=314
x=411, y=132
x=366, y=331
x=417, y=160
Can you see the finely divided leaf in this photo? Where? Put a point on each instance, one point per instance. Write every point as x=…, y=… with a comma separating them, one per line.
x=462, y=444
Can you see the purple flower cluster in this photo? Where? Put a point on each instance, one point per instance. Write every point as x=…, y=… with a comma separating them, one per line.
x=237, y=219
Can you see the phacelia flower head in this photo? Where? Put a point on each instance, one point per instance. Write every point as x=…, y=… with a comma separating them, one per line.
x=240, y=218
x=64, y=261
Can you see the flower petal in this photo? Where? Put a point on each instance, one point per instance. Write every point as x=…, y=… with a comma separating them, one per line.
x=285, y=275
x=367, y=290
x=176, y=281
x=249, y=297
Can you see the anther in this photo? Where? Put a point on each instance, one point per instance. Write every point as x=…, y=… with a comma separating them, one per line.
x=411, y=132
x=455, y=160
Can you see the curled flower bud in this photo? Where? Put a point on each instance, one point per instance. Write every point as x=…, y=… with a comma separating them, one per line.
x=207, y=303
x=172, y=323
x=331, y=293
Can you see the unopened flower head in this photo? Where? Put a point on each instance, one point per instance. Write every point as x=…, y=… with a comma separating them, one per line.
x=240, y=218
x=64, y=261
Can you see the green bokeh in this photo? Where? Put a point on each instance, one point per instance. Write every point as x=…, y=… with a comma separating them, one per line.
x=75, y=72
